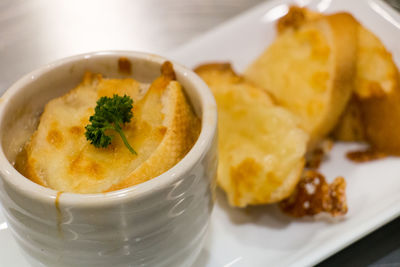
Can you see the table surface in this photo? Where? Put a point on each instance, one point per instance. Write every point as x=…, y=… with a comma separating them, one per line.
x=33, y=33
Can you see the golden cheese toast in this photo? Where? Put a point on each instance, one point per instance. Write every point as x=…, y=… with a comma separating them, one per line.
x=261, y=146
x=162, y=131
x=309, y=68
x=373, y=114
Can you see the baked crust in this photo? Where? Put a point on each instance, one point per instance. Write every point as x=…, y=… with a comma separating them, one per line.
x=373, y=114
x=261, y=146
x=309, y=68
x=162, y=131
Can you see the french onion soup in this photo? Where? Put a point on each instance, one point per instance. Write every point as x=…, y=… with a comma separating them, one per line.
x=108, y=134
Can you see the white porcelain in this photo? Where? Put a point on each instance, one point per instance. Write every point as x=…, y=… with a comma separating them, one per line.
x=161, y=222
x=263, y=236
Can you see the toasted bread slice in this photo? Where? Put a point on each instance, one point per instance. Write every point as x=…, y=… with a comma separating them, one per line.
x=261, y=147
x=309, y=68
x=373, y=114
x=180, y=131
x=162, y=130
x=376, y=75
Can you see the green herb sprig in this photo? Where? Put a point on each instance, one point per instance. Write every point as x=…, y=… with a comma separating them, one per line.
x=110, y=114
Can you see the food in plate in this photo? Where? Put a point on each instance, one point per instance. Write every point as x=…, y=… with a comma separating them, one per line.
x=162, y=131
x=314, y=195
x=309, y=68
x=373, y=113
x=365, y=155
x=336, y=78
x=261, y=146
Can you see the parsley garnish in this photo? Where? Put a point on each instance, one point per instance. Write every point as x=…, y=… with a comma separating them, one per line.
x=109, y=114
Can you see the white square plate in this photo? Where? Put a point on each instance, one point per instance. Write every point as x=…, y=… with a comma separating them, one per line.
x=263, y=236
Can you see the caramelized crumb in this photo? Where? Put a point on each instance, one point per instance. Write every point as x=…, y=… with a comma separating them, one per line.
x=124, y=65
x=314, y=195
x=315, y=157
x=365, y=155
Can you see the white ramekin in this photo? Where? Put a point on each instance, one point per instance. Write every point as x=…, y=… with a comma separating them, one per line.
x=161, y=222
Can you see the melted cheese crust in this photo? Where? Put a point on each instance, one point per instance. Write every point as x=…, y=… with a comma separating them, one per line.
x=261, y=146
x=162, y=131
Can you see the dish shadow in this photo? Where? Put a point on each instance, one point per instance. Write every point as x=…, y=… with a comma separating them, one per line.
x=269, y=216
x=263, y=215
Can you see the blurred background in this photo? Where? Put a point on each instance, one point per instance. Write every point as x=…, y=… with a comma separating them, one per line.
x=36, y=32
x=33, y=33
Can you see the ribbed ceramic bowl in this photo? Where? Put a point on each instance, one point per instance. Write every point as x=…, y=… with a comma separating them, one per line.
x=161, y=222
